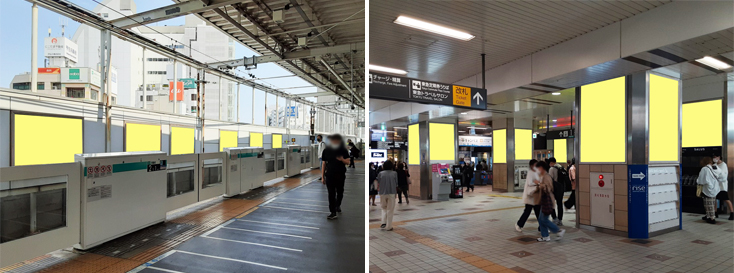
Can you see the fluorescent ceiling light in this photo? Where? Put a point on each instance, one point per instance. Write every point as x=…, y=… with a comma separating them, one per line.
x=387, y=69
x=479, y=128
x=556, y=93
x=430, y=27
x=462, y=131
x=463, y=113
x=399, y=128
x=715, y=63
x=554, y=120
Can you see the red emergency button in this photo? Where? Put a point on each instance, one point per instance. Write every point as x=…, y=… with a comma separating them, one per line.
x=601, y=183
x=601, y=176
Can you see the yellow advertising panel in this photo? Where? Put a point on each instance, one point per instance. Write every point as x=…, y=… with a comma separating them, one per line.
x=442, y=141
x=414, y=148
x=277, y=141
x=142, y=137
x=182, y=140
x=664, y=99
x=462, y=96
x=702, y=124
x=523, y=144
x=227, y=139
x=560, y=150
x=499, y=146
x=46, y=140
x=603, y=116
x=256, y=139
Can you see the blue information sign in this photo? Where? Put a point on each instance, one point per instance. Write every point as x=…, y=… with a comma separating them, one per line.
x=637, y=202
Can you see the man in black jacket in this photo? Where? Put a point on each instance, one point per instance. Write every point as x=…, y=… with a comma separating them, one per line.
x=335, y=157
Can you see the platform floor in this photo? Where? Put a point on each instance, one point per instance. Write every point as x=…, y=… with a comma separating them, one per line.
x=476, y=234
x=280, y=226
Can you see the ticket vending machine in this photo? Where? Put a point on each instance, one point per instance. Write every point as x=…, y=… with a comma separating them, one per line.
x=602, y=199
x=442, y=181
x=293, y=160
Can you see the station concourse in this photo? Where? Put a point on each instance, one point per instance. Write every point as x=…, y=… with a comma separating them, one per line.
x=626, y=105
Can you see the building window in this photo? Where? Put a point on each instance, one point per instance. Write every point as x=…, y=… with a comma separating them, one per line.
x=56, y=86
x=27, y=86
x=159, y=59
x=193, y=97
x=75, y=93
x=94, y=94
x=41, y=86
x=141, y=98
x=193, y=109
x=148, y=98
x=114, y=100
x=156, y=72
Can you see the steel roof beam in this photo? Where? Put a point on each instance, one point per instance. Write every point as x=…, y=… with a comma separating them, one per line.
x=308, y=53
x=169, y=12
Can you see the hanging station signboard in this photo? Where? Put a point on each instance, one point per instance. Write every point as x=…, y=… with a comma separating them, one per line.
x=414, y=90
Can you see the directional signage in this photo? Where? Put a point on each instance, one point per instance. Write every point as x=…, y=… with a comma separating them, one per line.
x=414, y=90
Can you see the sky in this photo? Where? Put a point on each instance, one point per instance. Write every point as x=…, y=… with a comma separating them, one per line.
x=15, y=42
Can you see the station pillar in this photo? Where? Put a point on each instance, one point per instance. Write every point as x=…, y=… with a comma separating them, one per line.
x=512, y=148
x=430, y=142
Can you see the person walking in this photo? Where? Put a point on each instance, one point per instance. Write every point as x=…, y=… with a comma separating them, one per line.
x=466, y=171
x=558, y=189
x=322, y=146
x=403, y=182
x=545, y=199
x=387, y=183
x=353, y=153
x=335, y=157
x=723, y=178
x=709, y=189
x=571, y=202
x=529, y=195
x=373, y=177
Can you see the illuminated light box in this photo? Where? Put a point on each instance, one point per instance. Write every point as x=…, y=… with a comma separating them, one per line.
x=560, y=150
x=413, y=145
x=603, y=124
x=277, y=141
x=523, y=144
x=46, y=140
x=702, y=124
x=182, y=140
x=142, y=137
x=499, y=141
x=442, y=141
x=664, y=104
x=256, y=140
x=227, y=139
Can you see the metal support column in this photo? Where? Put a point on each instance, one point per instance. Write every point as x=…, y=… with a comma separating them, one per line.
x=175, y=89
x=221, y=97
x=105, y=55
x=34, y=48
x=145, y=87
x=238, y=102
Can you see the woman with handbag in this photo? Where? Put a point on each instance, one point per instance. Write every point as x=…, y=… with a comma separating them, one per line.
x=547, y=203
x=708, y=188
x=403, y=182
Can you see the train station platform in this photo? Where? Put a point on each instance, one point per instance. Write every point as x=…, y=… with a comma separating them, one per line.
x=476, y=234
x=279, y=227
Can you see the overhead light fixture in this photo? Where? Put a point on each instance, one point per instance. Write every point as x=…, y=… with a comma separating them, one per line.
x=556, y=93
x=463, y=113
x=430, y=27
x=713, y=62
x=479, y=128
x=387, y=69
x=462, y=131
x=554, y=120
x=399, y=127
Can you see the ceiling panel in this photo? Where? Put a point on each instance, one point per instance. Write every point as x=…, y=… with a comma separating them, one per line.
x=505, y=30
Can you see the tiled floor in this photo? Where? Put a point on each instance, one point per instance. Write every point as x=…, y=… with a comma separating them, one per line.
x=446, y=237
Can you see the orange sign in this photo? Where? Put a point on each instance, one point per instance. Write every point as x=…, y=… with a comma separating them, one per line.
x=49, y=70
x=179, y=91
x=462, y=96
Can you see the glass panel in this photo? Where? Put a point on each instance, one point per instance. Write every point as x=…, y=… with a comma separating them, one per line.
x=15, y=217
x=50, y=209
x=269, y=166
x=212, y=175
x=17, y=211
x=180, y=182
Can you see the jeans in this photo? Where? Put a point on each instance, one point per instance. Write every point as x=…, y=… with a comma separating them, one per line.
x=526, y=214
x=546, y=224
x=387, y=203
x=402, y=190
x=335, y=187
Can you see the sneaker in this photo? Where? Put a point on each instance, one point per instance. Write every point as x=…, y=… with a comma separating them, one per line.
x=389, y=229
x=331, y=216
x=400, y=202
x=518, y=228
x=383, y=226
x=544, y=239
x=339, y=210
x=560, y=233
x=559, y=223
x=705, y=218
x=711, y=221
x=373, y=204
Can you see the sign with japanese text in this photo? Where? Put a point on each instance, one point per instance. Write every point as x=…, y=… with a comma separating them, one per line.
x=188, y=83
x=414, y=90
x=475, y=141
x=179, y=91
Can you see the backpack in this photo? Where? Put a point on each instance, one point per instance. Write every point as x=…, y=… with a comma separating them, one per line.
x=563, y=178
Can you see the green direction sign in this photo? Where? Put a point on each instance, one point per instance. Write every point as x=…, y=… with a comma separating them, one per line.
x=74, y=74
x=189, y=83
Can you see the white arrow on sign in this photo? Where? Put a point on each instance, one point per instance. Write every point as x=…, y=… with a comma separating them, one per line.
x=640, y=176
x=478, y=97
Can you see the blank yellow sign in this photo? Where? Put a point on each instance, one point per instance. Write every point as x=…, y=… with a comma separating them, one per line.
x=523, y=144
x=664, y=103
x=182, y=140
x=441, y=141
x=46, y=140
x=499, y=146
x=256, y=140
x=227, y=139
x=603, y=121
x=560, y=150
x=413, y=145
x=142, y=137
x=277, y=141
x=702, y=124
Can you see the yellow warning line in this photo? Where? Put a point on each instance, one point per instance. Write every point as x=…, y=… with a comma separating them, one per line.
x=372, y=226
x=504, y=196
x=247, y=212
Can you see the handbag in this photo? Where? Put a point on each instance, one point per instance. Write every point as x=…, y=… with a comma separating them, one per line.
x=546, y=203
x=699, y=189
